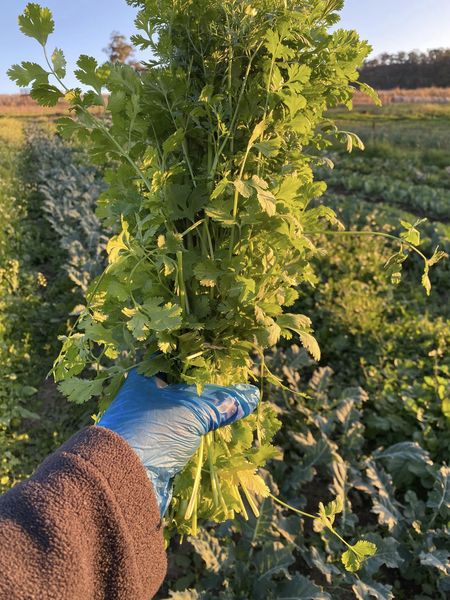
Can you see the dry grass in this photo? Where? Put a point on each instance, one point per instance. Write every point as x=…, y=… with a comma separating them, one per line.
x=432, y=95
x=14, y=129
x=23, y=105
x=19, y=112
x=11, y=130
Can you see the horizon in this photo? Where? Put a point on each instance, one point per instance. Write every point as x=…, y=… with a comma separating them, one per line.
x=411, y=26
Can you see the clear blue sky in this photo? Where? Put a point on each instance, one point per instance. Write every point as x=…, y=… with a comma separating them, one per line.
x=84, y=26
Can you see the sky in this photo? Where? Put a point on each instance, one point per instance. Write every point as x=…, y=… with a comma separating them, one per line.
x=84, y=27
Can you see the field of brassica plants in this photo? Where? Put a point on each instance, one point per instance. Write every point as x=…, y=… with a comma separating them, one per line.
x=374, y=424
x=198, y=230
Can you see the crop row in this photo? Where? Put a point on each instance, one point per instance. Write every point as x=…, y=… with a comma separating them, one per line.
x=374, y=427
x=425, y=193
x=36, y=297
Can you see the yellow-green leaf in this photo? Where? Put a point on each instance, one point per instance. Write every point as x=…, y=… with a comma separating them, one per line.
x=355, y=556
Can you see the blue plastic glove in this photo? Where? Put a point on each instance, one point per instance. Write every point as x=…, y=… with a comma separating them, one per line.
x=165, y=423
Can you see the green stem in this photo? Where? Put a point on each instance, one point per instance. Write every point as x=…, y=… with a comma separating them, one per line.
x=197, y=480
x=261, y=394
x=209, y=238
x=236, y=111
x=339, y=537
x=230, y=81
x=212, y=468
x=101, y=126
x=244, y=162
x=236, y=200
x=374, y=234
x=184, y=144
x=195, y=517
x=305, y=514
x=249, y=497
x=243, y=509
x=300, y=512
x=121, y=151
x=266, y=105
x=130, y=279
x=192, y=227
x=181, y=284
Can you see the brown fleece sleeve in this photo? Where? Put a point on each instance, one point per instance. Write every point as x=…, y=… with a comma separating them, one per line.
x=85, y=526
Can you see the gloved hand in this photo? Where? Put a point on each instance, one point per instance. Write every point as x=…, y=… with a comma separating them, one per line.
x=164, y=423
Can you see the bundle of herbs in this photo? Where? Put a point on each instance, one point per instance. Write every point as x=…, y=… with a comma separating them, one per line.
x=210, y=150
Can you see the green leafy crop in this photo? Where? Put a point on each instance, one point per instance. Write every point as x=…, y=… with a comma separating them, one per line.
x=210, y=153
x=37, y=23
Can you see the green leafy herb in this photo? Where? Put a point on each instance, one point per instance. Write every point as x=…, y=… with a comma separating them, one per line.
x=37, y=23
x=209, y=154
x=354, y=557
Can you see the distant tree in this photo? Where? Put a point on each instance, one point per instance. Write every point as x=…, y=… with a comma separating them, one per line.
x=119, y=50
x=409, y=70
x=414, y=57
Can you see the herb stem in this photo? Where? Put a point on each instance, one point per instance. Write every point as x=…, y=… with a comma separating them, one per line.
x=183, y=143
x=241, y=502
x=249, y=498
x=339, y=537
x=212, y=469
x=236, y=199
x=388, y=236
x=325, y=522
x=101, y=126
x=298, y=511
x=197, y=480
x=236, y=111
x=181, y=283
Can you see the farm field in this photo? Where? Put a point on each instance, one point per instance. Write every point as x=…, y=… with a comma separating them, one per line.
x=373, y=423
x=433, y=95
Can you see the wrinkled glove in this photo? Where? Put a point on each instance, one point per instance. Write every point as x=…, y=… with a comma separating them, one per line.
x=165, y=423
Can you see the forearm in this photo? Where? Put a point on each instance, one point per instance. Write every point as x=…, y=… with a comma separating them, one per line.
x=85, y=525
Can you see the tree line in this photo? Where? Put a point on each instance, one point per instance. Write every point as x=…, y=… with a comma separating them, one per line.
x=410, y=70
